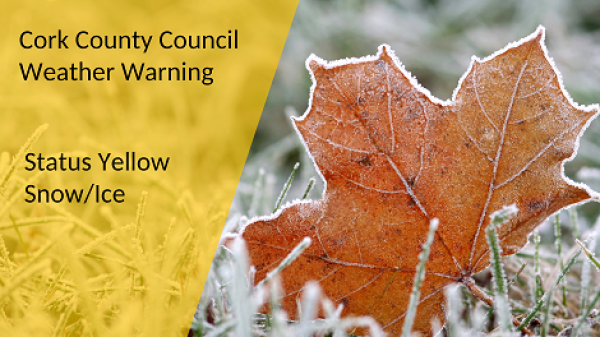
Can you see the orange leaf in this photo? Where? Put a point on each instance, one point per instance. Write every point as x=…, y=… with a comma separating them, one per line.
x=394, y=157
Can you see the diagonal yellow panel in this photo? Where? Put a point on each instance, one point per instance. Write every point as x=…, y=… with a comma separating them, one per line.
x=137, y=267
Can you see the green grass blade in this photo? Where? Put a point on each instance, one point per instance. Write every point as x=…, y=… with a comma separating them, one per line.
x=586, y=310
x=538, y=290
x=257, y=195
x=286, y=187
x=585, y=277
x=589, y=254
x=454, y=325
x=586, y=313
x=547, y=296
x=547, y=313
x=501, y=303
x=514, y=278
x=558, y=244
x=293, y=255
x=311, y=184
x=419, y=276
x=310, y=308
x=240, y=290
x=573, y=212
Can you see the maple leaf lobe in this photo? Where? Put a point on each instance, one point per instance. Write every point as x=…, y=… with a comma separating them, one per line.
x=393, y=157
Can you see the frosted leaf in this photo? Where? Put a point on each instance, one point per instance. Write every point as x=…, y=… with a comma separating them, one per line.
x=393, y=157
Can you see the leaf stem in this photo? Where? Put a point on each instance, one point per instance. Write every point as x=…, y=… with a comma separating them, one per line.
x=481, y=295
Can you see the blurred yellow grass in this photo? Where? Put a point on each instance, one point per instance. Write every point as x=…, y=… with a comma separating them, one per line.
x=136, y=268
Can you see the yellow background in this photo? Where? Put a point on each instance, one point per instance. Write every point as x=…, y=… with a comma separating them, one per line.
x=136, y=268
